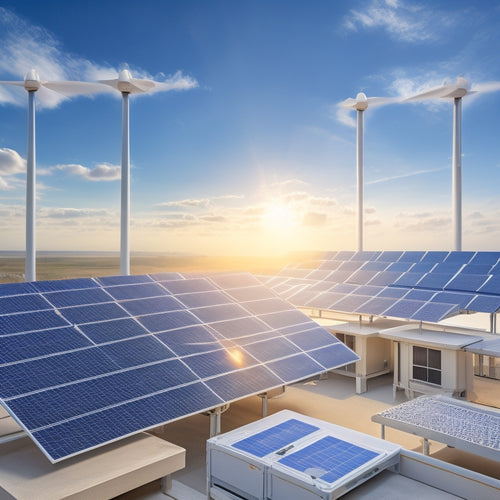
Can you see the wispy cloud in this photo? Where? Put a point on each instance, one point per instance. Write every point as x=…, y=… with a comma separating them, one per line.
x=26, y=46
x=405, y=21
x=405, y=175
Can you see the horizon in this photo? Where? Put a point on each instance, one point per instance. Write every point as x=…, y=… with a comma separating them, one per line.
x=251, y=155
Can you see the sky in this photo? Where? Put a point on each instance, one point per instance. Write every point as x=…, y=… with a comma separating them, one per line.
x=249, y=153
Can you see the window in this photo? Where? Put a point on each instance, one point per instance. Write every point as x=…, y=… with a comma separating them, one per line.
x=427, y=365
x=348, y=340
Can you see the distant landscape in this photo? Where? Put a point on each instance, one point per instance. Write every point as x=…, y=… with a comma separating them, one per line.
x=59, y=265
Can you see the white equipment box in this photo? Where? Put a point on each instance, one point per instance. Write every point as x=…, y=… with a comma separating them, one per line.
x=290, y=456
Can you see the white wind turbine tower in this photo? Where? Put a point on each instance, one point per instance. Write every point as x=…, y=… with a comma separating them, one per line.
x=456, y=91
x=360, y=104
x=31, y=84
x=127, y=85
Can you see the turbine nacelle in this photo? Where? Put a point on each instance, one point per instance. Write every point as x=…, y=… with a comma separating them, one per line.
x=128, y=85
x=32, y=81
x=362, y=102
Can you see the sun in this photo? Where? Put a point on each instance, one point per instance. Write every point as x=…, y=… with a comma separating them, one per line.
x=279, y=217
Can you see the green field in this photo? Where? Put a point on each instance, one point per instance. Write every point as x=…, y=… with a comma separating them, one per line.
x=62, y=266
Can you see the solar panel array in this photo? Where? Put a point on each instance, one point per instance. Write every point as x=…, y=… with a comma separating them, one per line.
x=421, y=286
x=84, y=362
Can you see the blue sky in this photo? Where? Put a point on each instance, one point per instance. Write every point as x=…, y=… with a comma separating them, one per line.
x=253, y=156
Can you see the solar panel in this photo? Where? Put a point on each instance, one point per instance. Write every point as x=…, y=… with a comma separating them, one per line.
x=350, y=303
x=420, y=294
x=459, y=257
x=404, y=308
x=434, y=281
x=389, y=256
x=377, y=305
x=58, y=285
x=411, y=256
x=400, y=266
x=331, y=457
x=484, y=303
x=127, y=367
x=434, y=257
x=374, y=266
x=461, y=299
x=385, y=278
x=9, y=289
x=409, y=279
x=491, y=286
x=466, y=282
x=362, y=277
x=324, y=300
x=422, y=267
x=434, y=312
x=485, y=258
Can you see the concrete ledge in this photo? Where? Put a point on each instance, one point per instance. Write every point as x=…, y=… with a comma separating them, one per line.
x=25, y=473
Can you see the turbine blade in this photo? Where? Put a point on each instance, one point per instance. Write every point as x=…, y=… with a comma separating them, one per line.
x=110, y=83
x=348, y=103
x=487, y=87
x=380, y=101
x=16, y=84
x=69, y=89
x=141, y=85
x=435, y=93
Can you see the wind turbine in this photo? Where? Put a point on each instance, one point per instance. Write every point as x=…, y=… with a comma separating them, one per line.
x=456, y=91
x=32, y=84
x=360, y=104
x=127, y=85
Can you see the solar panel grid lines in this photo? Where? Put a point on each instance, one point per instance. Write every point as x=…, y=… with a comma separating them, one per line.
x=434, y=312
x=434, y=256
x=269, y=327
x=466, y=282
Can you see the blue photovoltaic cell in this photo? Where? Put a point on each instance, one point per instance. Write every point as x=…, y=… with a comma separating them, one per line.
x=332, y=356
x=466, y=282
x=320, y=286
x=365, y=255
x=92, y=313
x=344, y=288
x=60, y=403
x=108, y=331
x=404, y=308
x=485, y=258
x=393, y=292
x=275, y=438
x=339, y=276
x=190, y=340
x=422, y=267
x=35, y=344
x=335, y=457
x=138, y=351
x=189, y=286
x=298, y=299
x=53, y=370
x=449, y=268
x=240, y=327
x=411, y=256
x=271, y=349
x=350, y=266
x=284, y=318
x=350, y=303
x=76, y=435
x=167, y=321
x=434, y=281
x=389, y=256
x=361, y=277
x=485, y=303
x=344, y=255
x=220, y=312
x=435, y=312
x=313, y=338
x=213, y=363
x=434, y=257
x=142, y=290
x=368, y=290
x=384, y=278
x=200, y=299
x=295, y=368
x=30, y=321
x=71, y=284
x=409, y=279
x=318, y=274
x=420, y=294
x=23, y=303
x=70, y=298
x=243, y=383
x=492, y=286
x=374, y=266
x=461, y=299
x=377, y=305
x=475, y=269
x=400, y=267
x=7, y=289
x=124, y=280
x=325, y=300
x=151, y=305
x=459, y=257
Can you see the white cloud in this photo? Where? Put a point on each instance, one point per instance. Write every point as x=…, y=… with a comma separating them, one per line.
x=26, y=46
x=101, y=172
x=408, y=22
x=11, y=162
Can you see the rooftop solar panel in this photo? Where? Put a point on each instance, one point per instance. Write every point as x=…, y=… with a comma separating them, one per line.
x=350, y=303
x=404, y=308
x=434, y=312
x=484, y=303
x=393, y=292
x=420, y=294
x=377, y=305
x=461, y=299
x=127, y=368
x=466, y=282
x=324, y=300
x=434, y=257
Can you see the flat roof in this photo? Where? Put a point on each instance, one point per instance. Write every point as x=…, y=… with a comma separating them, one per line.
x=486, y=347
x=444, y=340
